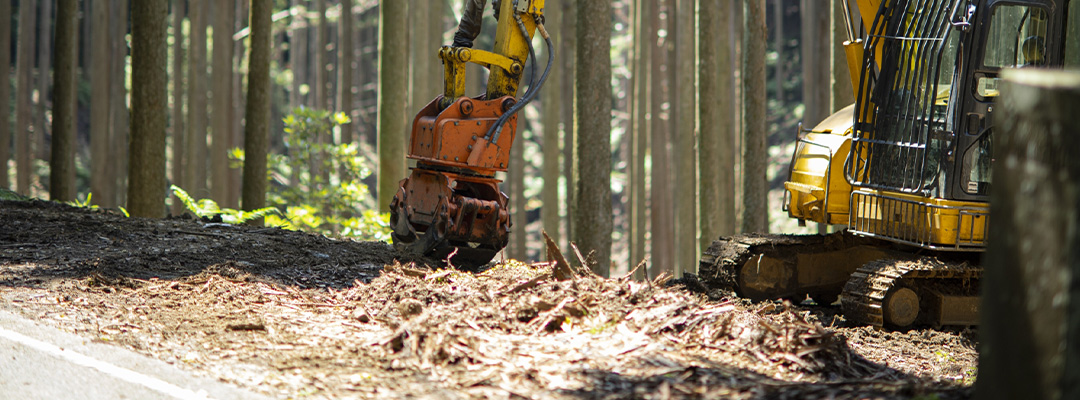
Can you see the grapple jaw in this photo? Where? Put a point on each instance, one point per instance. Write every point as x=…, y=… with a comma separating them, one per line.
x=451, y=203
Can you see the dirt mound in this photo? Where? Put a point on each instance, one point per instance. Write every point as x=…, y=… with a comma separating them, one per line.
x=290, y=314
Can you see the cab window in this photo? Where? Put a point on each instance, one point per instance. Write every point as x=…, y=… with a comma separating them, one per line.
x=1016, y=39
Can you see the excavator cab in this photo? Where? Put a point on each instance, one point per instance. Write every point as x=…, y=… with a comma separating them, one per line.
x=450, y=207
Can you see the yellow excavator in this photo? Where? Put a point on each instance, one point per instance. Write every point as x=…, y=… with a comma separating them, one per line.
x=450, y=207
x=905, y=170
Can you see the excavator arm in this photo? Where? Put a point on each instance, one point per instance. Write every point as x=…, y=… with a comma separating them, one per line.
x=450, y=206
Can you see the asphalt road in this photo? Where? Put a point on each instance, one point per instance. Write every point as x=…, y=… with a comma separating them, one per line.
x=39, y=362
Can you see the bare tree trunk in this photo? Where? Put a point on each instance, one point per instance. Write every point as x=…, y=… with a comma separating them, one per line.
x=662, y=213
x=393, y=86
x=149, y=98
x=238, y=105
x=62, y=162
x=1030, y=311
x=685, y=122
x=101, y=182
x=257, y=114
x=516, y=181
x=195, y=166
x=778, y=20
x=715, y=111
x=222, y=115
x=592, y=97
x=23, y=107
x=178, y=132
x=120, y=118
x=346, y=68
x=5, y=93
x=639, y=132
x=755, y=155
x=297, y=50
x=45, y=49
x=842, y=93
x=549, y=104
x=816, y=65
x=321, y=38
x=569, y=51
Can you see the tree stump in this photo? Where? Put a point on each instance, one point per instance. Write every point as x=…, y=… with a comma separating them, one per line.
x=1030, y=333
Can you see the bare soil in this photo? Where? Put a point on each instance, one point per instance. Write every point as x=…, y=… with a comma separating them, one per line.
x=290, y=315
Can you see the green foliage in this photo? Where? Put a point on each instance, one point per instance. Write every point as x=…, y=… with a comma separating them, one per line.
x=318, y=186
x=83, y=203
x=206, y=208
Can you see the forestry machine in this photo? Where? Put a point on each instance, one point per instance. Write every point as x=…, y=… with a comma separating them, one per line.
x=906, y=168
x=450, y=205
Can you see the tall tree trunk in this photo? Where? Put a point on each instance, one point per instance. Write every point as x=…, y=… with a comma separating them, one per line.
x=5, y=93
x=639, y=131
x=149, y=101
x=222, y=116
x=1030, y=341
x=319, y=175
x=715, y=111
x=178, y=132
x=755, y=155
x=592, y=100
x=662, y=213
x=393, y=84
x=62, y=162
x=120, y=118
x=346, y=68
x=45, y=49
x=297, y=53
x=778, y=20
x=321, y=39
x=24, y=60
x=238, y=104
x=842, y=93
x=569, y=51
x=101, y=182
x=195, y=171
x=257, y=114
x=516, y=181
x=685, y=120
x=419, y=62
x=550, y=100
x=816, y=64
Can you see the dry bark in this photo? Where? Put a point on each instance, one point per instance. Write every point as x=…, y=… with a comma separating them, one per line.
x=715, y=115
x=393, y=94
x=62, y=158
x=149, y=104
x=24, y=64
x=5, y=95
x=592, y=118
x=257, y=114
x=755, y=150
x=179, y=9
x=550, y=105
x=662, y=213
x=195, y=164
x=222, y=111
x=639, y=131
x=45, y=48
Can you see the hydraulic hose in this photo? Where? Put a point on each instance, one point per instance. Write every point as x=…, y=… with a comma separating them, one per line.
x=534, y=86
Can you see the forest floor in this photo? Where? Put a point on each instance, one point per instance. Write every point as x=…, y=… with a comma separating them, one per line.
x=291, y=315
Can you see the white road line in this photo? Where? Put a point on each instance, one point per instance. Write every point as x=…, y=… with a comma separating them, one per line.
x=106, y=368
